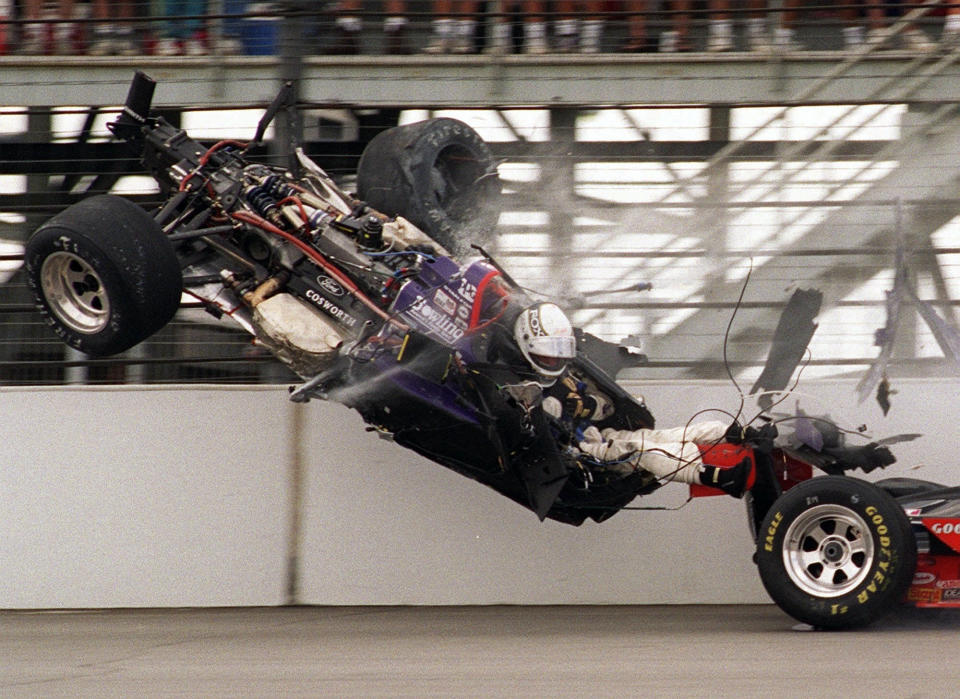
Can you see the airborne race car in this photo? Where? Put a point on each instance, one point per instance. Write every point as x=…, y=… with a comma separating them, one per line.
x=364, y=297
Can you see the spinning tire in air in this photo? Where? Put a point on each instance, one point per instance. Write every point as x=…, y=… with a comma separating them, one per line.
x=103, y=274
x=440, y=175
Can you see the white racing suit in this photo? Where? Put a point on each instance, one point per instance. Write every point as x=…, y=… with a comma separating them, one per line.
x=671, y=455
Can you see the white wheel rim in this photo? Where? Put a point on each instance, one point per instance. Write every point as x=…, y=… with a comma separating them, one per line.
x=75, y=292
x=828, y=551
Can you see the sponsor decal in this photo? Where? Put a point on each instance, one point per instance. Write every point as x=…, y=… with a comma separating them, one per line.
x=330, y=285
x=330, y=308
x=949, y=584
x=467, y=291
x=947, y=529
x=924, y=578
x=444, y=302
x=447, y=329
x=923, y=594
x=951, y=595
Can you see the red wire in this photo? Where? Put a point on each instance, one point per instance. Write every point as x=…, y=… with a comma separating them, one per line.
x=315, y=256
x=295, y=200
x=206, y=156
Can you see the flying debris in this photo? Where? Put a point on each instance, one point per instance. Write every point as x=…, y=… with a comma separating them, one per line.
x=790, y=340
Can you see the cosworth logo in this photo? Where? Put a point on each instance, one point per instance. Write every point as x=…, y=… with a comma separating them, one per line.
x=331, y=308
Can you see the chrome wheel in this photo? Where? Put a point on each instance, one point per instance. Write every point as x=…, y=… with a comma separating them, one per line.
x=828, y=551
x=75, y=292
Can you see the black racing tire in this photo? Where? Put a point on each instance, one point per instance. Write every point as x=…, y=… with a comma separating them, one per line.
x=836, y=552
x=440, y=175
x=103, y=274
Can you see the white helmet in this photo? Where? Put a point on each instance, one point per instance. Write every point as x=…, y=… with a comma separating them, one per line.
x=545, y=337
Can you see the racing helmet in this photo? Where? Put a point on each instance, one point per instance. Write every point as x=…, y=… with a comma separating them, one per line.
x=545, y=338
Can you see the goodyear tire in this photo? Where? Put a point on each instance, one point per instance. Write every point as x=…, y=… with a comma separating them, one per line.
x=836, y=552
x=103, y=274
x=440, y=175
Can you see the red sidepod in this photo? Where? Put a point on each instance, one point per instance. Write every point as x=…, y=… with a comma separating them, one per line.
x=936, y=581
x=789, y=471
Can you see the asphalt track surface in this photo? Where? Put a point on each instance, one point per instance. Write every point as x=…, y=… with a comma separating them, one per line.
x=649, y=651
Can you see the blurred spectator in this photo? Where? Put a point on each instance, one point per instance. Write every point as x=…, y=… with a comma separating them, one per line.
x=758, y=23
x=579, y=33
x=6, y=14
x=784, y=38
x=951, y=27
x=395, y=28
x=347, y=26
x=720, y=35
x=113, y=31
x=453, y=27
x=854, y=34
x=534, y=28
x=637, y=39
x=676, y=39
x=37, y=37
x=227, y=35
x=182, y=29
x=719, y=27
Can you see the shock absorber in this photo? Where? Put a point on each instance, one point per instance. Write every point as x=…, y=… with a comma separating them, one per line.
x=278, y=187
x=274, y=188
x=262, y=202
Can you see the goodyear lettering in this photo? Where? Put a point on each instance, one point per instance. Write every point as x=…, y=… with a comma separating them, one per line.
x=882, y=529
x=876, y=518
x=772, y=531
x=877, y=582
x=837, y=609
x=946, y=528
x=331, y=308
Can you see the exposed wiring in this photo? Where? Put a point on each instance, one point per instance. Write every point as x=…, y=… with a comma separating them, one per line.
x=206, y=156
x=726, y=334
x=263, y=224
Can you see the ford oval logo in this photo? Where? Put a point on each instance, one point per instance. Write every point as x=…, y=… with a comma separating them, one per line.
x=330, y=285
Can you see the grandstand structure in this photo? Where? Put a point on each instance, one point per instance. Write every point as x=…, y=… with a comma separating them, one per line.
x=725, y=180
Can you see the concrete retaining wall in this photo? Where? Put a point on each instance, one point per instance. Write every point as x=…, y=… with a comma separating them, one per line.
x=208, y=496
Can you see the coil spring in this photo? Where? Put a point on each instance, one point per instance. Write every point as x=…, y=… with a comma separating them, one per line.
x=278, y=187
x=261, y=200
